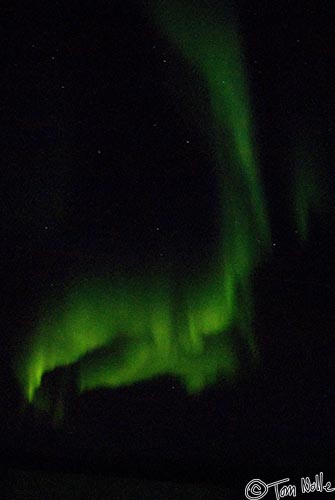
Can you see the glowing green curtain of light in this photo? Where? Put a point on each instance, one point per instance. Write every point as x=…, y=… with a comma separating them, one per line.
x=310, y=194
x=137, y=326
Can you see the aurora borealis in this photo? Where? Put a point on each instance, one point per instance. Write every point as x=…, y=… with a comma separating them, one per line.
x=122, y=327
x=167, y=246
x=309, y=192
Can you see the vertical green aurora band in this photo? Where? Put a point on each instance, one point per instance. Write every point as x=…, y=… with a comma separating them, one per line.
x=135, y=326
x=310, y=193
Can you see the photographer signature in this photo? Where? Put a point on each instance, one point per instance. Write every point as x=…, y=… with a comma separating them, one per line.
x=257, y=489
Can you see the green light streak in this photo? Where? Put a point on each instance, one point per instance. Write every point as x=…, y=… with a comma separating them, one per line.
x=124, y=329
x=307, y=197
x=309, y=193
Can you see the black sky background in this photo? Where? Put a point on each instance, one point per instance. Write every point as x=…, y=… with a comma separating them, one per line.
x=104, y=141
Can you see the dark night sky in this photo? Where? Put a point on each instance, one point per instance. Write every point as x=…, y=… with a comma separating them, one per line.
x=104, y=141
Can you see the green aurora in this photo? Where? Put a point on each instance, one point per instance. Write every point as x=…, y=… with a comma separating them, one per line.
x=309, y=192
x=125, y=327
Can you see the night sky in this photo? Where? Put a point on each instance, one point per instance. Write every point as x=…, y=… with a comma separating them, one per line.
x=108, y=162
